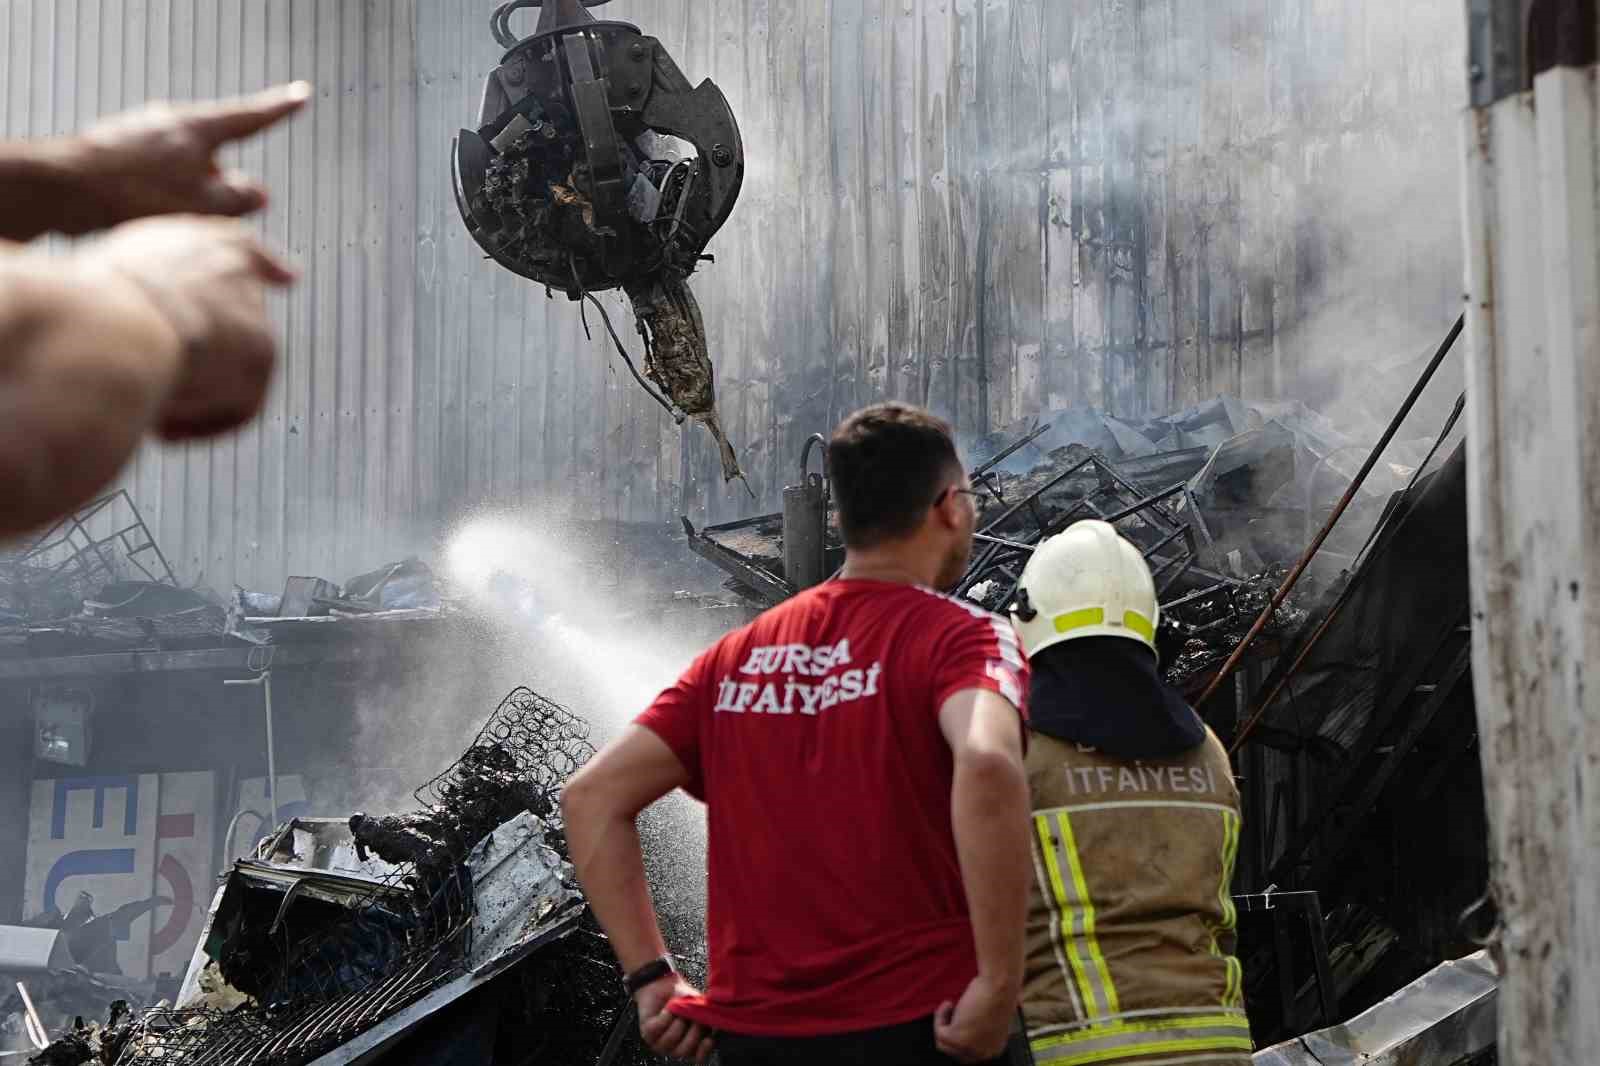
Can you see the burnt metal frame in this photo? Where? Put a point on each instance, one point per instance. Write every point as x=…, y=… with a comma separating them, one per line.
x=89, y=554
x=1001, y=556
x=772, y=589
x=1004, y=556
x=1283, y=906
x=1011, y=449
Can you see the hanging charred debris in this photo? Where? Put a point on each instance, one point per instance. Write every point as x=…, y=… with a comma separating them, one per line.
x=454, y=933
x=571, y=180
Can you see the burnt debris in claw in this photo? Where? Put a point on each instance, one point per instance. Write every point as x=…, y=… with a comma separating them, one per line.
x=570, y=181
x=676, y=358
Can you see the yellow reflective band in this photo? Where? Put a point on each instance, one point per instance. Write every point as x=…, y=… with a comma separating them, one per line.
x=1064, y=908
x=1089, y=616
x=1233, y=994
x=1128, y=1039
x=1099, y=960
x=1241, y=1044
x=1185, y=1022
x=1096, y=616
x=1139, y=624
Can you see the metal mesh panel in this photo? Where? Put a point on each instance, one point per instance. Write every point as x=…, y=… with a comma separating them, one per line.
x=104, y=542
x=1020, y=513
x=544, y=742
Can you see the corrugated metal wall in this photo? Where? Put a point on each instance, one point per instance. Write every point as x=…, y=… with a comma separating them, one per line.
x=990, y=206
x=329, y=472
x=1533, y=507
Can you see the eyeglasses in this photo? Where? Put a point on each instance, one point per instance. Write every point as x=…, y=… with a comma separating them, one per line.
x=952, y=491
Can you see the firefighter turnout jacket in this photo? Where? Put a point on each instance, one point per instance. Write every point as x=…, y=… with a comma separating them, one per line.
x=1131, y=927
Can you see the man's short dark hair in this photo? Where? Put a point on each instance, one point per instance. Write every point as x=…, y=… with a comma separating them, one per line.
x=888, y=463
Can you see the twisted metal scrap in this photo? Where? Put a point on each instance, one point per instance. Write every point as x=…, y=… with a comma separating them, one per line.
x=405, y=938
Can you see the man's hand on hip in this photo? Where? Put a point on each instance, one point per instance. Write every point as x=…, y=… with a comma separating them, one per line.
x=208, y=279
x=665, y=1033
x=162, y=160
x=976, y=1029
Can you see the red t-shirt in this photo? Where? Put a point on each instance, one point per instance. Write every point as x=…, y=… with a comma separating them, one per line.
x=835, y=900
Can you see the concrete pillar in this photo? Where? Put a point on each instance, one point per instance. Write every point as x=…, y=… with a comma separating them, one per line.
x=1532, y=182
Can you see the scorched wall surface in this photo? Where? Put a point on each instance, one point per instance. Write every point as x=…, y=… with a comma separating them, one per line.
x=994, y=207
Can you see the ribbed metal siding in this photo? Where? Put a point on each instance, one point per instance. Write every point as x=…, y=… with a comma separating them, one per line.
x=1533, y=506
x=990, y=206
x=321, y=480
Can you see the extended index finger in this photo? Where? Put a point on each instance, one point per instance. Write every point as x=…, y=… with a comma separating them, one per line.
x=229, y=120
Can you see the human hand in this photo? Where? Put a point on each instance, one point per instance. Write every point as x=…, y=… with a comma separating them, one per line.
x=208, y=279
x=665, y=1033
x=976, y=1028
x=162, y=160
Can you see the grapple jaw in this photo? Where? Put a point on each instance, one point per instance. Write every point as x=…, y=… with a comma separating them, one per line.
x=567, y=179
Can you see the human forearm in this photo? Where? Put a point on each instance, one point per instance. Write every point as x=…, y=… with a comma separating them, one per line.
x=85, y=363
x=40, y=188
x=989, y=814
x=603, y=839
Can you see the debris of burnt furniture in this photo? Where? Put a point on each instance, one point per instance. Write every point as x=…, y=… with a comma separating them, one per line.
x=1210, y=591
x=104, y=544
x=451, y=933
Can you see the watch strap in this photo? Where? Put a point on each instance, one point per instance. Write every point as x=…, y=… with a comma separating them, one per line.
x=654, y=970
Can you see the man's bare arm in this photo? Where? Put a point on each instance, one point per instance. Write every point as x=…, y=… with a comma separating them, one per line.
x=36, y=180
x=601, y=805
x=158, y=160
x=989, y=814
x=162, y=328
x=83, y=372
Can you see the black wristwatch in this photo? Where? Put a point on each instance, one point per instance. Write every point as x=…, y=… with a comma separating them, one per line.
x=651, y=971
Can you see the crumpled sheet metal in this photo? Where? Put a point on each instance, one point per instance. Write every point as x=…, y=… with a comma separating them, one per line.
x=521, y=892
x=1441, y=1019
x=1244, y=450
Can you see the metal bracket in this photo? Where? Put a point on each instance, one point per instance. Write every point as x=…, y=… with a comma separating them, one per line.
x=599, y=135
x=556, y=15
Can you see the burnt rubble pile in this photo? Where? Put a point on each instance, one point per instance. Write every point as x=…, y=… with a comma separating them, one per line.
x=91, y=1042
x=98, y=582
x=455, y=926
x=518, y=762
x=1221, y=498
x=490, y=792
x=1190, y=654
x=59, y=969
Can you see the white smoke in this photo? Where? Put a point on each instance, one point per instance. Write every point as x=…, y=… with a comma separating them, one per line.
x=577, y=642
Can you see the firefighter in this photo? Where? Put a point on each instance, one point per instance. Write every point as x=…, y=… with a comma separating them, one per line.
x=1135, y=826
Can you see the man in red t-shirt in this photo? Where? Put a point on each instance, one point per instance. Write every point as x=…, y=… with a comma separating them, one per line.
x=859, y=751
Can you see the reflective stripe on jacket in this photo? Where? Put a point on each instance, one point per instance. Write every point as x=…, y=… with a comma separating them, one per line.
x=1131, y=926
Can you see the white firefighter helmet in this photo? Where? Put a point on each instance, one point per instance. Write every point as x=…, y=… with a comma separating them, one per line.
x=1085, y=582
